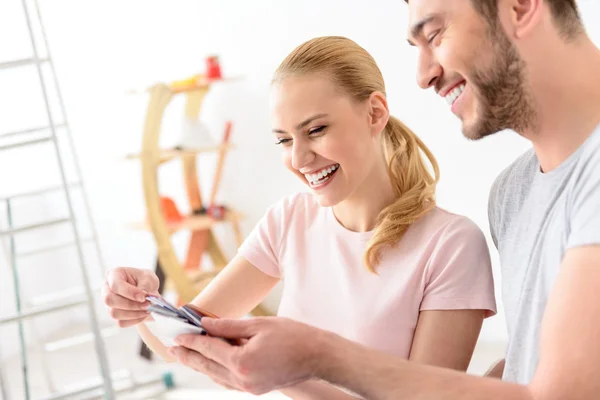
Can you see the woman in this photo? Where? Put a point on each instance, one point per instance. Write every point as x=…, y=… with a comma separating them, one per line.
x=366, y=254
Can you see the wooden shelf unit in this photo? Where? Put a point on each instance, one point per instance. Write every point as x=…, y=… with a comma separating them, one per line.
x=187, y=282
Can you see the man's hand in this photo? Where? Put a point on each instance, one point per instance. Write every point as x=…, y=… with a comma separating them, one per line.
x=124, y=294
x=276, y=353
x=496, y=370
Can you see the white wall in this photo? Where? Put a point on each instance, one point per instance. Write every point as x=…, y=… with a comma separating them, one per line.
x=102, y=49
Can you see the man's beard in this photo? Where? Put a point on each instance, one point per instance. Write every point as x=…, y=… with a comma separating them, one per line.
x=501, y=93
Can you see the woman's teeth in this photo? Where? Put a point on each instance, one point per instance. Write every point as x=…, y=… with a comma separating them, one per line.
x=322, y=175
x=453, y=95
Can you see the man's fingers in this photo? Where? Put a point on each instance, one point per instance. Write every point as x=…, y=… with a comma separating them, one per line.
x=212, y=348
x=118, y=284
x=230, y=328
x=226, y=385
x=203, y=365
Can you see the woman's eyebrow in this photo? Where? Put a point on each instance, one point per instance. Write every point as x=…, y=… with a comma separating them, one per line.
x=303, y=123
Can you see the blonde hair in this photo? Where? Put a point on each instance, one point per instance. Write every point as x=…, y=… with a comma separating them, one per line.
x=355, y=72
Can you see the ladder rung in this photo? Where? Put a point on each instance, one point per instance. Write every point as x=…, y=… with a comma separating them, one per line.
x=64, y=294
x=35, y=226
x=27, y=143
x=79, y=339
x=51, y=248
x=21, y=63
x=39, y=191
x=35, y=311
x=31, y=130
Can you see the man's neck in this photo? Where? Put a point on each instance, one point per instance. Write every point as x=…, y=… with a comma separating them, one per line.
x=567, y=99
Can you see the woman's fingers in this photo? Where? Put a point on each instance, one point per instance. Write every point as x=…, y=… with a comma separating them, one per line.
x=125, y=323
x=127, y=315
x=116, y=301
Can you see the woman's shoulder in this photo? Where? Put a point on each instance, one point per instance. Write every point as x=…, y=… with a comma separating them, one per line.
x=439, y=221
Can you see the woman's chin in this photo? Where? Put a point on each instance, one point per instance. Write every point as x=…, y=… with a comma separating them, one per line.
x=327, y=194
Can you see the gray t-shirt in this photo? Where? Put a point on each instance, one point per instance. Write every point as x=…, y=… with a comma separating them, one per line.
x=535, y=218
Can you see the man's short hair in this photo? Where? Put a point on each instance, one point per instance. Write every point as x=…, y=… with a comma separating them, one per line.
x=565, y=13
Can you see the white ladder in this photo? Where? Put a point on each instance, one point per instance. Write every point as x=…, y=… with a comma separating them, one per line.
x=85, y=294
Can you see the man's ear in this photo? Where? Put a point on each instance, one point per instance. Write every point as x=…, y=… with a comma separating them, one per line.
x=379, y=114
x=521, y=17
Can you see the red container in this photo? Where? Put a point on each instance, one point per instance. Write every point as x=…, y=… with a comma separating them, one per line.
x=213, y=69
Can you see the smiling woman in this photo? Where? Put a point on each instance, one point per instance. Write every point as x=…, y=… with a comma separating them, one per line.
x=346, y=127
x=367, y=253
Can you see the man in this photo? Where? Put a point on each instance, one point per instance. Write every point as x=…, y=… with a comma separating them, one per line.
x=524, y=65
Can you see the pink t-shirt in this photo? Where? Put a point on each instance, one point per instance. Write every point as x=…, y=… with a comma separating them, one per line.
x=441, y=263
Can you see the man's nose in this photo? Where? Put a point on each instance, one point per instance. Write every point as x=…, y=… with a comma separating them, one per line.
x=429, y=70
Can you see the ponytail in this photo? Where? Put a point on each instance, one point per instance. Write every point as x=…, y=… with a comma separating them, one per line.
x=413, y=183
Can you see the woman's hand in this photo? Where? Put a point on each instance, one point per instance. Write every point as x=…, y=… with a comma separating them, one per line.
x=125, y=291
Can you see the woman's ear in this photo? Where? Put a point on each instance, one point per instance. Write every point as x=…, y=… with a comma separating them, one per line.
x=379, y=114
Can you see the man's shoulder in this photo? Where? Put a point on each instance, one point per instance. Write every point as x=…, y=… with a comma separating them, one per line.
x=590, y=155
x=508, y=191
x=584, y=177
x=517, y=175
